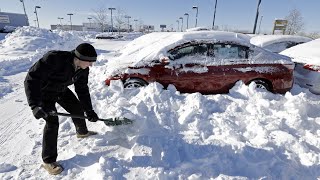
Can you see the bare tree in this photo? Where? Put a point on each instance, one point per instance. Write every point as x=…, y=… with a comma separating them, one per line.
x=295, y=22
x=101, y=18
x=313, y=35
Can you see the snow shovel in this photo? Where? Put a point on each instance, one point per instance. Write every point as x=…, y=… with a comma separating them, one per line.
x=109, y=122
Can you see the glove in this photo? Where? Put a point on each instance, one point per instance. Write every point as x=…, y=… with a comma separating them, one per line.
x=92, y=116
x=38, y=113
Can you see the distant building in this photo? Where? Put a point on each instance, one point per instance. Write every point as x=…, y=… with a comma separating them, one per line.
x=67, y=27
x=147, y=28
x=12, y=20
x=84, y=27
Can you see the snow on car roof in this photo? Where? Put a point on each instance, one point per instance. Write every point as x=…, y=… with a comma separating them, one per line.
x=265, y=40
x=198, y=29
x=155, y=45
x=305, y=53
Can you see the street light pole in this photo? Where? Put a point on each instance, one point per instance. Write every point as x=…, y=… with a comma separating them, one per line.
x=196, y=7
x=181, y=23
x=186, y=14
x=260, y=24
x=257, y=15
x=178, y=25
x=214, y=15
x=89, y=18
x=70, y=14
x=135, y=21
x=111, y=9
x=24, y=9
x=128, y=17
x=60, y=18
x=35, y=11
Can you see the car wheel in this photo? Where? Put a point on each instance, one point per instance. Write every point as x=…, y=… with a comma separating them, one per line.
x=134, y=83
x=261, y=84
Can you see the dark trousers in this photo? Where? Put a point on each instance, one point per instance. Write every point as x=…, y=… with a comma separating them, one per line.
x=71, y=104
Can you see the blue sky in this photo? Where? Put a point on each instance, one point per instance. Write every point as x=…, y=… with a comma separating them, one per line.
x=234, y=14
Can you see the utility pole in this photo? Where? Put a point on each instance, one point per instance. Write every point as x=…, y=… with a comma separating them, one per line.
x=111, y=9
x=214, y=14
x=70, y=14
x=24, y=9
x=257, y=15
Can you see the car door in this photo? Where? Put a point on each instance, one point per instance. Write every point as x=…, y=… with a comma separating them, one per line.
x=230, y=61
x=189, y=66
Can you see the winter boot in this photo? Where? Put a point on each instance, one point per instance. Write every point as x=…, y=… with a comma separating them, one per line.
x=89, y=133
x=52, y=168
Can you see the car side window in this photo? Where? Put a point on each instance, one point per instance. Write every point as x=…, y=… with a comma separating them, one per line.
x=228, y=51
x=190, y=50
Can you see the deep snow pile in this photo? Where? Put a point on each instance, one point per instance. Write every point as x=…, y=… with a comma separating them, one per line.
x=245, y=134
x=21, y=48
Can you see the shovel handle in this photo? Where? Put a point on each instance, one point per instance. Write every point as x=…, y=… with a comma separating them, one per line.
x=109, y=122
x=76, y=116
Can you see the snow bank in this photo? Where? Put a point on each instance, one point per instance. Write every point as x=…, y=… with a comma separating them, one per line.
x=245, y=134
x=20, y=49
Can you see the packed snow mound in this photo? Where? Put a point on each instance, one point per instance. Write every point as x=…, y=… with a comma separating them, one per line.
x=249, y=133
x=36, y=39
x=20, y=49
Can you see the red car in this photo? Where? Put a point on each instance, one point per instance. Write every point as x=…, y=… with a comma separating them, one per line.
x=208, y=62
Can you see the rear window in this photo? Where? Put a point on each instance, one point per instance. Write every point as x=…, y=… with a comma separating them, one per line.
x=228, y=51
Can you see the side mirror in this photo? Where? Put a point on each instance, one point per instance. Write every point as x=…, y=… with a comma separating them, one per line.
x=164, y=60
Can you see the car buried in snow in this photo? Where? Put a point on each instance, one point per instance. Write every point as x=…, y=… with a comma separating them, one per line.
x=307, y=69
x=278, y=43
x=208, y=62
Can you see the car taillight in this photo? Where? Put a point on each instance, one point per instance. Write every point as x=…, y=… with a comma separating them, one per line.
x=312, y=67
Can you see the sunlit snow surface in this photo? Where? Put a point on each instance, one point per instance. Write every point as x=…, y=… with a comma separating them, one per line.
x=245, y=134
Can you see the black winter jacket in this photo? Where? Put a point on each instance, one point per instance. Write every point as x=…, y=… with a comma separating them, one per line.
x=49, y=77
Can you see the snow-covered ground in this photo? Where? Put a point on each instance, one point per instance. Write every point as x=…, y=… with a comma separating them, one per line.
x=245, y=134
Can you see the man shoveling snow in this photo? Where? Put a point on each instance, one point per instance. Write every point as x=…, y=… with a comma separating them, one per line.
x=47, y=84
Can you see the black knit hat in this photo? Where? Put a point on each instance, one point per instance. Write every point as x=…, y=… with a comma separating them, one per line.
x=85, y=52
